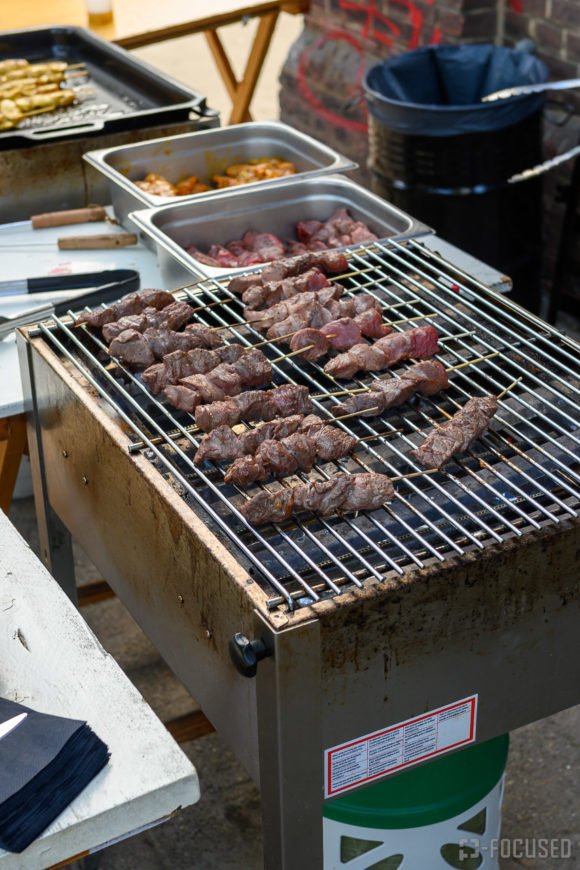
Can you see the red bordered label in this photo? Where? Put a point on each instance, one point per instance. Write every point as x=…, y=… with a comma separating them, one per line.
x=392, y=749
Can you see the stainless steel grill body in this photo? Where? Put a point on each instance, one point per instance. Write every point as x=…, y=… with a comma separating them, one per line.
x=467, y=583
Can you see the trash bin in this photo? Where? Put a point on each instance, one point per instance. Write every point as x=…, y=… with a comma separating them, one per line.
x=445, y=814
x=439, y=153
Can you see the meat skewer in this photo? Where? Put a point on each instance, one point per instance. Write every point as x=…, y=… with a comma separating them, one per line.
x=272, y=292
x=316, y=314
x=284, y=401
x=417, y=343
x=455, y=436
x=252, y=369
x=133, y=303
x=426, y=378
x=296, y=452
x=182, y=363
x=171, y=316
x=223, y=445
x=341, y=492
x=329, y=262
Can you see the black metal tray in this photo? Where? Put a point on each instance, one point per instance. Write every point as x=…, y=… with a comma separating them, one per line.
x=128, y=93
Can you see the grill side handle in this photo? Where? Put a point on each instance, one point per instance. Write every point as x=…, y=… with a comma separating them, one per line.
x=245, y=654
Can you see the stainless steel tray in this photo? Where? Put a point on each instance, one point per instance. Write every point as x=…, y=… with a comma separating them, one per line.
x=265, y=208
x=203, y=155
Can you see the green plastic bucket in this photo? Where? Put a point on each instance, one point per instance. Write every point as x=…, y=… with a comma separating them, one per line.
x=443, y=814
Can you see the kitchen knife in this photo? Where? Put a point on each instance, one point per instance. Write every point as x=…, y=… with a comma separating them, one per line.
x=106, y=293
x=55, y=283
x=11, y=724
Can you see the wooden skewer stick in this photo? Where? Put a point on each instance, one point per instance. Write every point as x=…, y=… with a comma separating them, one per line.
x=377, y=435
x=415, y=474
x=292, y=353
x=366, y=389
x=507, y=389
x=353, y=414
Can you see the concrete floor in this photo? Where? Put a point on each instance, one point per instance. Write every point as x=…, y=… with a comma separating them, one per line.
x=223, y=831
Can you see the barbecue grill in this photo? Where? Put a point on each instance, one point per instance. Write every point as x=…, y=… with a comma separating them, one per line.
x=465, y=585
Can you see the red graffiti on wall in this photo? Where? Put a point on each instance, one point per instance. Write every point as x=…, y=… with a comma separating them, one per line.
x=370, y=30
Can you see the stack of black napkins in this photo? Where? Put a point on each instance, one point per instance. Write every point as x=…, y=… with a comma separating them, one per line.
x=45, y=762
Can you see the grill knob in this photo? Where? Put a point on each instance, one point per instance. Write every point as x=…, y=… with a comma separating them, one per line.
x=245, y=654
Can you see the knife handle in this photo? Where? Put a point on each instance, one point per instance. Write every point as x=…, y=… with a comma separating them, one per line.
x=69, y=216
x=104, y=240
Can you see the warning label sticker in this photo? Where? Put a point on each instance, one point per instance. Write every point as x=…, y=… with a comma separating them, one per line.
x=353, y=764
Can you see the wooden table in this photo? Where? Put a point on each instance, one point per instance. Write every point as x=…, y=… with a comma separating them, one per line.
x=52, y=662
x=136, y=24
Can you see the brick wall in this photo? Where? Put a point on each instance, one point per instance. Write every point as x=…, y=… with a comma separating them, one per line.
x=341, y=39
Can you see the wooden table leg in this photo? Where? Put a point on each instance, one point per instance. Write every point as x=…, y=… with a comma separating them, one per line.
x=224, y=66
x=241, y=92
x=12, y=446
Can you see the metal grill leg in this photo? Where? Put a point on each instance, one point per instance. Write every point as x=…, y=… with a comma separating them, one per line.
x=291, y=760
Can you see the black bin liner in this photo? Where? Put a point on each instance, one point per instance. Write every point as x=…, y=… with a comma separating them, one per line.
x=438, y=152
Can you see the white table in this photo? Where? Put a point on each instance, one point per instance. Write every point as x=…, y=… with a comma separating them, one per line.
x=52, y=662
x=28, y=253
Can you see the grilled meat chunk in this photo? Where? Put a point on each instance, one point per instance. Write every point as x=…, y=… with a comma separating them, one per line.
x=220, y=445
x=417, y=343
x=140, y=350
x=329, y=262
x=457, y=434
x=342, y=333
x=344, y=492
x=266, y=295
x=426, y=378
x=180, y=364
x=171, y=316
x=297, y=452
x=370, y=323
x=252, y=369
x=134, y=303
x=284, y=401
x=295, y=304
x=314, y=339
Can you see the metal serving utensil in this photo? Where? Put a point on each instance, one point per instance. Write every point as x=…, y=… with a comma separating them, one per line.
x=520, y=90
x=104, y=293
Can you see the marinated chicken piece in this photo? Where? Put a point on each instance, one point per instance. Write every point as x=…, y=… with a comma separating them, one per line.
x=284, y=401
x=266, y=295
x=417, y=343
x=314, y=339
x=134, y=303
x=455, y=436
x=140, y=350
x=156, y=185
x=426, y=378
x=342, y=492
x=190, y=185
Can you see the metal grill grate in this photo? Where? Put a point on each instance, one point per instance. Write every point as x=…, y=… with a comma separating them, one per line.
x=522, y=475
